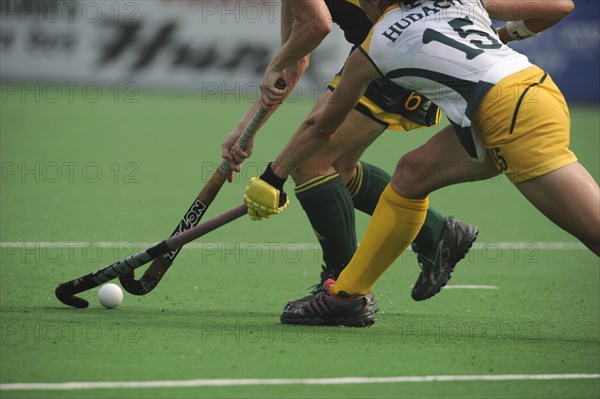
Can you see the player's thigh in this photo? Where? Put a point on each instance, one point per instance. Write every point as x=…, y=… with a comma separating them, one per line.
x=358, y=133
x=440, y=162
x=524, y=123
x=570, y=197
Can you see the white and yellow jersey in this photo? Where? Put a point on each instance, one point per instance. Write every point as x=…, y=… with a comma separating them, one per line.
x=446, y=50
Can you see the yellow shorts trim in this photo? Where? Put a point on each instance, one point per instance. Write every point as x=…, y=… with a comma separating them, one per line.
x=394, y=121
x=524, y=124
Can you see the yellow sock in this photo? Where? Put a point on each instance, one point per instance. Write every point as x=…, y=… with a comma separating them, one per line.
x=394, y=225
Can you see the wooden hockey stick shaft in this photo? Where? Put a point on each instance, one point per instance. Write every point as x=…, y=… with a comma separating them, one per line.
x=160, y=265
x=66, y=292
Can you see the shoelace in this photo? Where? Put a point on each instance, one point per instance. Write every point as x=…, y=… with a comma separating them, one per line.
x=316, y=288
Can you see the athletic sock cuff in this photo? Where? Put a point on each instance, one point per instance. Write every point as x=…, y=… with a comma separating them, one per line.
x=316, y=184
x=355, y=183
x=414, y=204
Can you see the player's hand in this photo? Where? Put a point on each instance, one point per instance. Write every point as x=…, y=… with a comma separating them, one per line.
x=503, y=34
x=231, y=151
x=270, y=94
x=265, y=196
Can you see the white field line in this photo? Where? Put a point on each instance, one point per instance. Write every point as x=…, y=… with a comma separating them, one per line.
x=471, y=287
x=63, y=386
x=288, y=246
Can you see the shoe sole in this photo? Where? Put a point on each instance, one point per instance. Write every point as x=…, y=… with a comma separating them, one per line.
x=374, y=306
x=359, y=322
x=447, y=275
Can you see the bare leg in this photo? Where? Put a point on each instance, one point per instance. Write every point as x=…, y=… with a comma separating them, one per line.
x=346, y=164
x=570, y=197
x=440, y=162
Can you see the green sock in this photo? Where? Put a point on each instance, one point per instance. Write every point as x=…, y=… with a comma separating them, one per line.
x=431, y=232
x=366, y=187
x=329, y=208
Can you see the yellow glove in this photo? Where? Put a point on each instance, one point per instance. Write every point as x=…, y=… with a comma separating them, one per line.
x=263, y=199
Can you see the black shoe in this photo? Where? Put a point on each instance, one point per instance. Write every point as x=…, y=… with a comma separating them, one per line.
x=437, y=265
x=329, y=309
x=300, y=302
x=319, y=287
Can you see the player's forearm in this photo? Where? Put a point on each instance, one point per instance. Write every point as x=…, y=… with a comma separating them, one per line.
x=527, y=19
x=304, y=25
x=316, y=131
x=306, y=142
x=300, y=44
x=551, y=11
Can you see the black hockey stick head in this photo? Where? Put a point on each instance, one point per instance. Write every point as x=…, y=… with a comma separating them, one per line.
x=138, y=287
x=65, y=293
x=131, y=285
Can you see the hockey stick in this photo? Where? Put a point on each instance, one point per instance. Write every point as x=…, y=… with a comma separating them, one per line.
x=66, y=292
x=159, y=266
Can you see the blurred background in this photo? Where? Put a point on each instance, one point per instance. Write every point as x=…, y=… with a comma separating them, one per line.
x=205, y=46
x=221, y=46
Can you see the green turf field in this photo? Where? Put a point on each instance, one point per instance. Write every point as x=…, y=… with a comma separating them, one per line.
x=87, y=183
